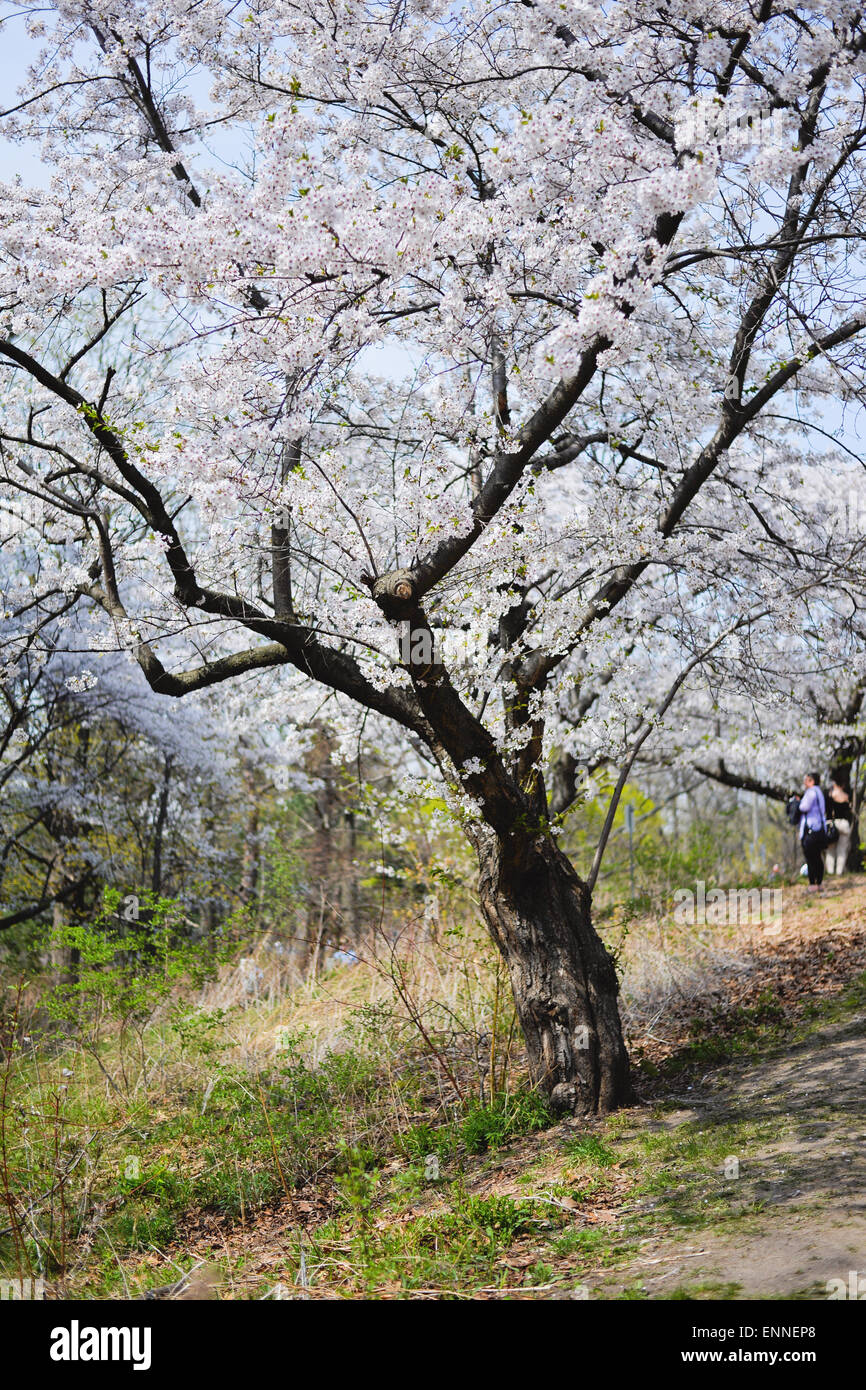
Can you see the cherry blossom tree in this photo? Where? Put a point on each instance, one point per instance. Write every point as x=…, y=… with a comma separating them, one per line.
x=453, y=363
x=101, y=781
x=792, y=699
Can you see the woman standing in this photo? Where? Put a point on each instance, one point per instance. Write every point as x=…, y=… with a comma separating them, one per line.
x=813, y=830
x=839, y=811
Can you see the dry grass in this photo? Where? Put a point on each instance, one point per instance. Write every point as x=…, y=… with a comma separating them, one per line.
x=227, y=1144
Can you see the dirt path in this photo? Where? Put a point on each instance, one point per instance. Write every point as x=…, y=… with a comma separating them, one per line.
x=802, y=1195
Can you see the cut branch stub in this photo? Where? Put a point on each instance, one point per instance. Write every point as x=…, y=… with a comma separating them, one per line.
x=395, y=594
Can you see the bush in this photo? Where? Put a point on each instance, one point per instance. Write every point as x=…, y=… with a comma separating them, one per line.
x=507, y=1116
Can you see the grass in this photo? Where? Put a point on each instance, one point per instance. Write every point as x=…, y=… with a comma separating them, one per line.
x=217, y=1110
x=590, y=1150
x=709, y=1289
x=840, y=1008
x=330, y=1140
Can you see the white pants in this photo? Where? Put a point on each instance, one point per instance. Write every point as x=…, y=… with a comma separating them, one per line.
x=836, y=854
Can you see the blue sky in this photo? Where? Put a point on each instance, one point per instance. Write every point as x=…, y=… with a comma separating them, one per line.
x=17, y=51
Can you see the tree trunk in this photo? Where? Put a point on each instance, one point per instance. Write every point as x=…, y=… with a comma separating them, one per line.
x=563, y=978
x=159, y=827
x=251, y=852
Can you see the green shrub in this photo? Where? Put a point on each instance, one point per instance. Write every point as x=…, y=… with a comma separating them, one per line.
x=507, y=1116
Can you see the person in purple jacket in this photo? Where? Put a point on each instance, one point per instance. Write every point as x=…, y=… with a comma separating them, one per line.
x=813, y=830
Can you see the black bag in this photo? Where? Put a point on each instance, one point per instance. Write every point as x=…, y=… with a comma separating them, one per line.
x=816, y=839
x=831, y=830
x=792, y=809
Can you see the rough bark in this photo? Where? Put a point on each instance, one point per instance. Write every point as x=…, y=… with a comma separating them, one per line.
x=563, y=978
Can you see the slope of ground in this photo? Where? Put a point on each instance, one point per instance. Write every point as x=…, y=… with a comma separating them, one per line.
x=736, y=1177
x=314, y=1146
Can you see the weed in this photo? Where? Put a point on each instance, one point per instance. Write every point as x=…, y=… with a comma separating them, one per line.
x=590, y=1150
x=507, y=1116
